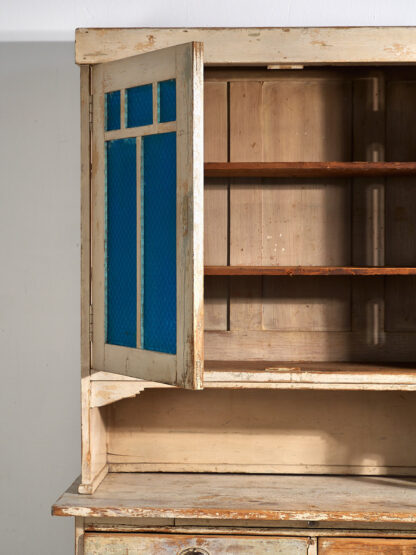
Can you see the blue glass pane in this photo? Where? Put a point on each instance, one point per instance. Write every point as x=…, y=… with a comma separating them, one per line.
x=159, y=243
x=121, y=243
x=167, y=100
x=112, y=110
x=139, y=106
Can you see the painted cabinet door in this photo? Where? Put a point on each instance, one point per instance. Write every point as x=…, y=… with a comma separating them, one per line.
x=366, y=546
x=148, y=544
x=147, y=216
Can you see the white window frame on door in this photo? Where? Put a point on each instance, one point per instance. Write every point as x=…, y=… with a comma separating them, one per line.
x=184, y=63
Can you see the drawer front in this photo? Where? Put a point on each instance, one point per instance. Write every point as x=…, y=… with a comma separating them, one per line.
x=174, y=544
x=366, y=546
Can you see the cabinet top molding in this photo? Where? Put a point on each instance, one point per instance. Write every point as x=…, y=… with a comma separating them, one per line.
x=256, y=45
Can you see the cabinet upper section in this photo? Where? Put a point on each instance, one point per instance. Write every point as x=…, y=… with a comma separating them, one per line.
x=257, y=46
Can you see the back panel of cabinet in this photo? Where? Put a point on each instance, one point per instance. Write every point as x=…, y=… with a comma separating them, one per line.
x=310, y=115
x=261, y=431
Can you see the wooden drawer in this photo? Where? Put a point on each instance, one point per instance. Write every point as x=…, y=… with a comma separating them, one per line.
x=366, y=546
x=174, y=544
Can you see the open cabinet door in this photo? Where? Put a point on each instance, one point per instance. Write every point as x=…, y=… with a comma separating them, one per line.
x=147, y=216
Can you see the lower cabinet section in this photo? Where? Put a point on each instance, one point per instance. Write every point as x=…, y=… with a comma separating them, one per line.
x=174, y=544
x=366, y=546
x=103, y=543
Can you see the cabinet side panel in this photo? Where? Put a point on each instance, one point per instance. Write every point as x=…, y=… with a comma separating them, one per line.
x=85, y=270
x=93, y=431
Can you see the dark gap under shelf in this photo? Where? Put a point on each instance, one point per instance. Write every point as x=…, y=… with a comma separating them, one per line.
x=309, y=169
x=308, y=271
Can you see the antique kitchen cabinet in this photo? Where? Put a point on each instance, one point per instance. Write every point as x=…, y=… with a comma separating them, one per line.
x=248, y=292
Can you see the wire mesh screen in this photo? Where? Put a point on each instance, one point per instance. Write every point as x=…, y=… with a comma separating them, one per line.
x=158, y=168
x=139, y=106
x=112, y=110
x=166, y=100
x=121, y=243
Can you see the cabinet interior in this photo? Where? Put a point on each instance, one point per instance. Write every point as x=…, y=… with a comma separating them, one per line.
x=263, y=431
x=329, y=323
x=311, y=115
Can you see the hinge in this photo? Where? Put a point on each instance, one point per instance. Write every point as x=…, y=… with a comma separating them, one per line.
x=90, y=111
x=91, y=323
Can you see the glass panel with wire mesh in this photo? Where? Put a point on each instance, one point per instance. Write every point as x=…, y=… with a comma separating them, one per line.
x=142, y=262
x=139, y=106
x=121, y=243
x=166, y=94
x=112, y=110
x=158, y=202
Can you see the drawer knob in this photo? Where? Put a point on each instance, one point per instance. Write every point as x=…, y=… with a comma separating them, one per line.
x=193, y=551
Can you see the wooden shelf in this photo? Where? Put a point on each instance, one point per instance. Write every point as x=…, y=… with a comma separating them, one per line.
x=246, y=497
x=107, y=388
x=308, y=271
x=309, y=169
x=311, y=375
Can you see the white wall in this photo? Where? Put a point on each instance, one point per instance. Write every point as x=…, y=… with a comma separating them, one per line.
x=39, y=229
x=57, y=19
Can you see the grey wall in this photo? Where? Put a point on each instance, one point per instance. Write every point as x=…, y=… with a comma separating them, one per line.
x=39, y=294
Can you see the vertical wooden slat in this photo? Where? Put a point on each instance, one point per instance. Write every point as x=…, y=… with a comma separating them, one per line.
x=85, y=271
x=368, y=230
x=139, y=240
x=98, y=218
x=216, y=204
x=306, y=222
x=306, y=120
x=215, y=121
x=246, y=217
x=85, y=221
x=315, y=303
x=189, y=215
x=401, y=192
x=155, y=104
x=368, y=194
x=246, y=303
x=79, y=535
x=400, y=311
x=400, y=205
x=122, y=108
